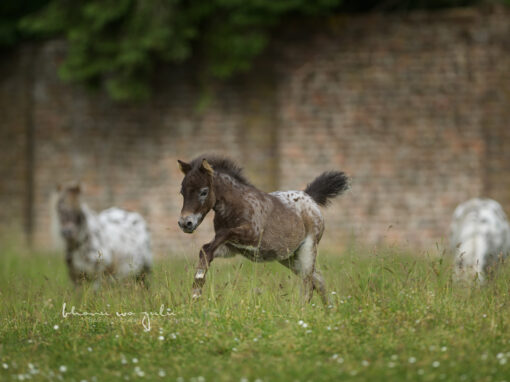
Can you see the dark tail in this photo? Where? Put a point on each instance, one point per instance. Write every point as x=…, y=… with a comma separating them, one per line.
x=326, y=186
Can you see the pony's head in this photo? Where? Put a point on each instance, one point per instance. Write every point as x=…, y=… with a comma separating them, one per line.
x=69, y=210
x=197, y=192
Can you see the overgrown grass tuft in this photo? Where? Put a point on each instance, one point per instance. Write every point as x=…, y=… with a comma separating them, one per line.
x=394, y=316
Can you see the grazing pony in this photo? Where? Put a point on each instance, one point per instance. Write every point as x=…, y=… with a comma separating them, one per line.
x=285, y=226
x=480, y=237
x=113, y=243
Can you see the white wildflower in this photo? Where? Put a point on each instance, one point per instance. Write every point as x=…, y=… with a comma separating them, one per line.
x=5, y=366
x=412, y=359
x=161, y=338
x=139, y=371
x=365, y=363
x=161, y=373
x=436, y=364
x=134, y=360
x=55, y=327
x=62, y=369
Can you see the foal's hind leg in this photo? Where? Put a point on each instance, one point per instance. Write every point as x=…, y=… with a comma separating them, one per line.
x=319, y=285
x=294, y=265
x=303, y=264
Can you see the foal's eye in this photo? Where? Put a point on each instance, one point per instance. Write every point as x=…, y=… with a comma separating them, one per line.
x=204, y=192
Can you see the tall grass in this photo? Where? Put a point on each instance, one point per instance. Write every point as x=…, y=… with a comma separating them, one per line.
x=393, y=316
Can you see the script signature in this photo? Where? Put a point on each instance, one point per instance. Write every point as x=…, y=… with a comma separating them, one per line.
x=145, y=319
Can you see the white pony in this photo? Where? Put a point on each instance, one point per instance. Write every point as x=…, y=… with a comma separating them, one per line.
x=114, y=243
x=480, y=237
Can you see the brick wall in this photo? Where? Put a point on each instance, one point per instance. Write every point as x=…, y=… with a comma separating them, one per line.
x=415, y=108
x=15, y=103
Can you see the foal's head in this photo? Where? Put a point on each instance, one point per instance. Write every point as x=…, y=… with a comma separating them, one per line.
x=70, y=213
x=197, y=192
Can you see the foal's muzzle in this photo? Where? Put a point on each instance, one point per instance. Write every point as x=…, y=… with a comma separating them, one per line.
x=190, y=222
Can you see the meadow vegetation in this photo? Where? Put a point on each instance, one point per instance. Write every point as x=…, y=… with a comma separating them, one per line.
x=394, y=315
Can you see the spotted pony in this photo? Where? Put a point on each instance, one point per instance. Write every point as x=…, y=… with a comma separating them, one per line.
x=114, y=243
x=284, y=226
x=480, y=238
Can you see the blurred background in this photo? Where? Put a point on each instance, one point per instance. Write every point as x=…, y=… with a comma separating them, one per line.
x=410, y=97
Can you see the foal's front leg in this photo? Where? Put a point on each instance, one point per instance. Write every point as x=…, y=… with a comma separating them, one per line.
x=204, y=260
x=207, y=255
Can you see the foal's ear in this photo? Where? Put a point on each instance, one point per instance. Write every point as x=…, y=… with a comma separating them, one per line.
x=184, y=167
x=206, y=167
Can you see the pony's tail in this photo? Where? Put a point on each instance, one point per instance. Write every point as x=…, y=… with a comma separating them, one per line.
x=326, y=186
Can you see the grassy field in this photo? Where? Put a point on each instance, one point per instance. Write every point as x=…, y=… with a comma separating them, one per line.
x=394, y=316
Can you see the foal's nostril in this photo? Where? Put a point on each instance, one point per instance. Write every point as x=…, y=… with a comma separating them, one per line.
x=189, y=224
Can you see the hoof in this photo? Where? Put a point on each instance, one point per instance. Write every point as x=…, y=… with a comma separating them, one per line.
x=196, y=294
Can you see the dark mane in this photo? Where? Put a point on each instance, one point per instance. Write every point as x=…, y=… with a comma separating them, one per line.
x=222, y=165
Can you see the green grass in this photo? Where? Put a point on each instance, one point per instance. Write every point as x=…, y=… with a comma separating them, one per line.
x=394, y=316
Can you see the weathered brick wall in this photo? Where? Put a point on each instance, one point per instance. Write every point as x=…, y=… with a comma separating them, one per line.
x=414, y=107
x=14, y=119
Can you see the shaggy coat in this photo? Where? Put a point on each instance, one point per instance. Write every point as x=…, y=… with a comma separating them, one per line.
x=115, y=243
x=284, y=226
x=480, y=237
